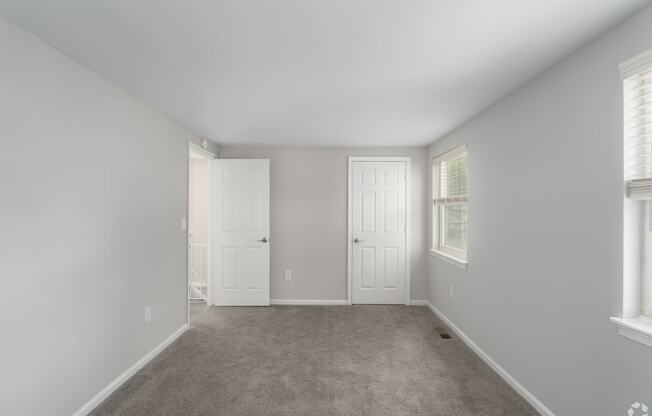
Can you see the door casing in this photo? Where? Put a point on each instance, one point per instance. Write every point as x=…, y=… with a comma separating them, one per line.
x=408, y=219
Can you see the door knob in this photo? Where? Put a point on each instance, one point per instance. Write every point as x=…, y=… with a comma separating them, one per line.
x=357, y=240
x=263, y=240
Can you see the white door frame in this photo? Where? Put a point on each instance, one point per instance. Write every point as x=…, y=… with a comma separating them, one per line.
x=208, y=155
x=408, y=220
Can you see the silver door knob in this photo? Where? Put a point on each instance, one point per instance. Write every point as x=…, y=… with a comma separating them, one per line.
x=263, y=240
x=357, y=240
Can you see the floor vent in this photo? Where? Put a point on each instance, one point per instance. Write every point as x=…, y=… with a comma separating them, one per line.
x=443, y=333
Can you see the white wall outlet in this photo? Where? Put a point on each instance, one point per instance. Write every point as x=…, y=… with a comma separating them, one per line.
x=148, y=313
x=184, y=224
x=451, y=294
x=288, y=275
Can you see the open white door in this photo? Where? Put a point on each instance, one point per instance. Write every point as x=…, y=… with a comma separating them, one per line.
x=379, y=268
x=241, y=237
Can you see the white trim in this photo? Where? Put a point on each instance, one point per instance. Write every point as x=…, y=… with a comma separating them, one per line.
x=518, y=387
x=115, y=384
x=209, y=224
x=408, y=229
x=452, y=252
x=408, y=219
x=204, y=152
x=419, y=302
x=636, y=65
x=349, y=227
x=449, y=259
x=637, y=329
x=325, y=302
x=450, y=154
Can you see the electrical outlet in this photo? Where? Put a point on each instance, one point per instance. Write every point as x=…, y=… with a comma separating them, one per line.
x=288, y=275
x=148, y=313
x=451, y=294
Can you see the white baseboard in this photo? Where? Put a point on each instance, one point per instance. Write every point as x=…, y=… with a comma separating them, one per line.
x=307, y=302
x=115, y=384
x=327, y=302
x=529, y=397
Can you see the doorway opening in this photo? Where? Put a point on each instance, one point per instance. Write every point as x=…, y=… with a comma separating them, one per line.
x=199, y=206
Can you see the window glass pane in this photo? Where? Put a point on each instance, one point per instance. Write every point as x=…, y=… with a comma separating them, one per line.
x=454, y=226
x=638, y=126
x=452, y=177
x=646, y=270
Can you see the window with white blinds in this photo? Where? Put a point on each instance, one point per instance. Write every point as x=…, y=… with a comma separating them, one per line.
x=450, y=222
x=637, y=100
x=637, y=86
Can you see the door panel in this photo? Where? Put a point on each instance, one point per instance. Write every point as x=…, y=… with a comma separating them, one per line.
x=229, y=267
x=391, y=212
x=253, y=266
x=378, y=224
x=368, y=212
x=241, y=232
x=367, y=267
x=229, y=213
x=390, y=267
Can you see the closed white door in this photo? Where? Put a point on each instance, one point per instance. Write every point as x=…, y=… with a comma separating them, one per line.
x=378, y=232
x=241, y=240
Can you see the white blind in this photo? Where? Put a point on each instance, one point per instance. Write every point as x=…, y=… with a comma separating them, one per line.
x=452, y=175
x=637, y=80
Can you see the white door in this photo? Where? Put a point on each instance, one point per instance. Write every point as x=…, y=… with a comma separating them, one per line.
x=378, y=231
x=241, y=237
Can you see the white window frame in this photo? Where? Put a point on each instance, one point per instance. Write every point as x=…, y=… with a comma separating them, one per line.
x=633, y=323
x=448, y=254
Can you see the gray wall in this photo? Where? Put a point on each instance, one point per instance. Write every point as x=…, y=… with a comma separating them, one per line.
x=545, y=243
x=92, y=192
x=308, y=216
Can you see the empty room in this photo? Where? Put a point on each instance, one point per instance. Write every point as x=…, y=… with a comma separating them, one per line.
x=330, y=208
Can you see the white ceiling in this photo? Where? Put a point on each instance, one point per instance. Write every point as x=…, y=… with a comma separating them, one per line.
x=309, y=72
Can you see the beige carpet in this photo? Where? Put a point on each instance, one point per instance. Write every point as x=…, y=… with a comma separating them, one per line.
x=340, y=360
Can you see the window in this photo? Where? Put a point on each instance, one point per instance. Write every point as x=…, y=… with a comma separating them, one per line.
x=638, y=162
x=636, y=322
x=449, y=219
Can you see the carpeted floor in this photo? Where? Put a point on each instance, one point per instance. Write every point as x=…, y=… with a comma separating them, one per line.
x=340, y=360
x=196, y=310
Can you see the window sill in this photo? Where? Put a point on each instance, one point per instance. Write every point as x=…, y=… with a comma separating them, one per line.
x=637, y=329
x=449, y=259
